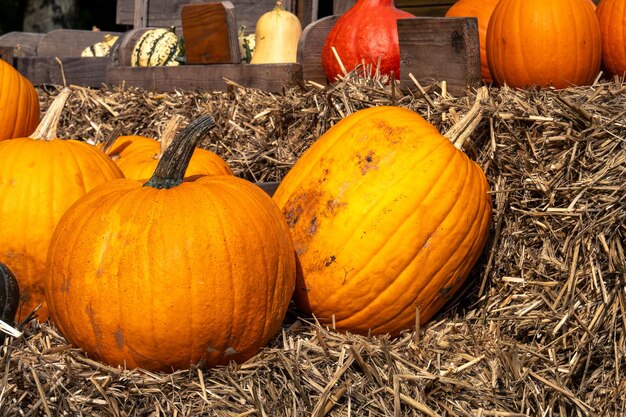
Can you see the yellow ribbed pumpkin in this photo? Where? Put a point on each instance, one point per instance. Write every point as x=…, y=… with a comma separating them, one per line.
x=386, y=216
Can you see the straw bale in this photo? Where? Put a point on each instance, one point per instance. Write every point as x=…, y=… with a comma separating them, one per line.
x=538, y=330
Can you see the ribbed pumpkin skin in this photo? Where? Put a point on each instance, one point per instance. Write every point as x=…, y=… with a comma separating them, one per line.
x=39, y=180
x=19, y=104
x=386, y=215
x=612, y=18
x=138, y=161
x=544, y=43
x=164, y=278
x=481, y=9
x=366, y=32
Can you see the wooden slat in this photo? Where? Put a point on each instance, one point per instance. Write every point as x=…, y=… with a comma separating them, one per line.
x=210, y=33
x=24, y=43
x=68, y=42
x=88, y=72
x=440, y=49
x=310, y=48
x=166, y=13
x=268, y=77
x=140, y=14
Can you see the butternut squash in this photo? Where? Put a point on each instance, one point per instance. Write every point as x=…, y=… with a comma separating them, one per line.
x=277, y=34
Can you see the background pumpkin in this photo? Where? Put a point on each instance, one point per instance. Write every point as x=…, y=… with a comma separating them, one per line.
x=40, y=176
x=138, y=156
x=165, y=274
x=386, y=215
x=19, y=104
x=544, y=43
x=612, y=19
x=481, y=9
x=367, y=32
x=276, y=36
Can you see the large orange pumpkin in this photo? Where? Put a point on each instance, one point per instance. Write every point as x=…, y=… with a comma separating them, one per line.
x=40, y=177
x=167, y=274
x=612, y=18
x=386, y=216
x=19, y=104
x=481, y=9
x=138, y=156
x=544, y=43
x=366, y=33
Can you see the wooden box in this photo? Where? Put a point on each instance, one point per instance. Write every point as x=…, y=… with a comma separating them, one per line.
x=56, y=59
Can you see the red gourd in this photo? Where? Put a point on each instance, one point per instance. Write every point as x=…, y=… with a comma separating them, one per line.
x=366, y=33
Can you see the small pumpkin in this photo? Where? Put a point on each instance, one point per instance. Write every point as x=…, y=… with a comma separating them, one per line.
x=366, y=33
x=167, y=274
x=157, y=47
x=276, y=35
x=612, y=19
x=481, y=9
x=19, y=103
x=140, y=157
x=386, y=216
x=544, y=43
x=100, y=49
x=40, y=176
x=9, y=296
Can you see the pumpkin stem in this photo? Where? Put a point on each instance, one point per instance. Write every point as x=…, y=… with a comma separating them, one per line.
x=168, y=134
x=47, y=128
x=462, y=129
x=170, y=170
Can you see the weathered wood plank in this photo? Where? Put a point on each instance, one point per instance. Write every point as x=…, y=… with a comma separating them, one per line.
x=310, y=48
x=69, y=42
x=268, y=77
x=210, y=33
x=88, y=72
x=165, y=13
x=23, y=43
x=440, y=49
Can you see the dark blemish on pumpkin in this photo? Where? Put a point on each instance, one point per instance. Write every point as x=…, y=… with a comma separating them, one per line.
x=367, y=162
x=333, y=205
x=230, y=351
x=312, y=226
x=330, y=260
x=119, y=338
x=65, y=286
x=458, y=44
x=296, y=207
x=445, y=292
x=92, y=320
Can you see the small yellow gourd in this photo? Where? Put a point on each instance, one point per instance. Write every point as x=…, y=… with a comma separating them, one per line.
x=277, y=34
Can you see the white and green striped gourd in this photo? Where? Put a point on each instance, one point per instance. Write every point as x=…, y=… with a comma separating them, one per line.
x=157, y=47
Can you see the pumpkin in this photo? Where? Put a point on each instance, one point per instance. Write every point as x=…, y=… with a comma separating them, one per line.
x=157, y=47
x=612, y=19
x=386, y=216
x=100, y=49
x=167, y=274
x=40, y=176
x=139, y=159
x=543, y=43
x=481, y=9
x=276, y=37
x=19, y=103
x=9, y=296
x=366, y=33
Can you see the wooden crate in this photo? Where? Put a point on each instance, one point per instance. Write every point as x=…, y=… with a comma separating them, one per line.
x=432, y=8
x=57, y=59
x=268, y=77
x=431, y=49
x=18, y=44
x=167, y=12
